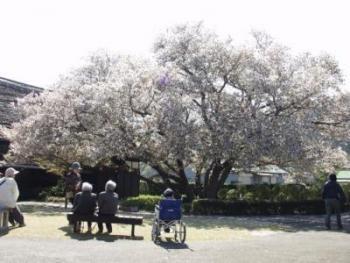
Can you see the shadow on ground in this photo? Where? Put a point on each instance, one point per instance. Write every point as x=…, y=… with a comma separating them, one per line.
x=102, y=237
x=169, y=244
x=287, y=223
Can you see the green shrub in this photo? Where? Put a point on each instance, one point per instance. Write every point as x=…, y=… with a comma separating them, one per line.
x=314, y=192
x=294, y=192
x=249, y=196
x=54, y=191
x=143, y=202
x=222, y=193
x=232, y=195
x=346, y=188
x=262, y=192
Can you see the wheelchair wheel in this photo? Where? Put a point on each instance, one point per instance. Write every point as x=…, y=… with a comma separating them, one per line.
x=155, y=231
x=180, y=233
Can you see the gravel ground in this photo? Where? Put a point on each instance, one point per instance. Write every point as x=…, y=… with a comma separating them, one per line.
x=268, y=239
x=281, y=247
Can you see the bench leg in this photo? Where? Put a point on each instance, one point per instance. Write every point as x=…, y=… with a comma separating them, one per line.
x=133, y=231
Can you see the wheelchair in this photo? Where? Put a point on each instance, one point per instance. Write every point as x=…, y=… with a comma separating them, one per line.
x=167, y=219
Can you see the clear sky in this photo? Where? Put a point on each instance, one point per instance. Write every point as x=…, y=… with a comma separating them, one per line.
x=41, y=39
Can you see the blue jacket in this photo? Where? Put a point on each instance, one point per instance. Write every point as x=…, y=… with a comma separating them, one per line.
x=332, y=190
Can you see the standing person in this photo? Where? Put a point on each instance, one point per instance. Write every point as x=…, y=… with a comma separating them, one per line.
x=72, y=181
x=84, y=204
x=108, y=204
x=333, y=195
x=9, y=194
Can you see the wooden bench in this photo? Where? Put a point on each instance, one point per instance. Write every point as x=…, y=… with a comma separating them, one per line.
x=4, y=219
x=117, y=219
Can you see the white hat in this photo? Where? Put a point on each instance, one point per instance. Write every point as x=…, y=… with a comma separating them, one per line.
x=11, y=172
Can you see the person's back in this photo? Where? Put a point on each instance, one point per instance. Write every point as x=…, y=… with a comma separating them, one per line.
x=333, y=195
x=8, y=192
x=108, y=203
x=84, y=203
x=332, y=190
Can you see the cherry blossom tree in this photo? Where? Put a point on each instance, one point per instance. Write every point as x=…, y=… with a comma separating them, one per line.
x=255, y=104
x=203, y=101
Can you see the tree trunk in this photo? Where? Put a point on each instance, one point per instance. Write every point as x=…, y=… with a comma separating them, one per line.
x=217, y=179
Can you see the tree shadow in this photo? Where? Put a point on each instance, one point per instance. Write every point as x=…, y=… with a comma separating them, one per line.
x=101, y=237
x=285, y=223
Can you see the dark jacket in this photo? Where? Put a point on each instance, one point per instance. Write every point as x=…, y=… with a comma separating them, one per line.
x=84, y=203
x=72, y=182
x=108, y=203
x=332, y=190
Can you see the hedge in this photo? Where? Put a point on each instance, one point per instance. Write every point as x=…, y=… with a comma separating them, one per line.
x=220, y=207
x=142, y=202
x=233, y=208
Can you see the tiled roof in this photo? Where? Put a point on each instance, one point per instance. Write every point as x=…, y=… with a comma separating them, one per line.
x=10, y=91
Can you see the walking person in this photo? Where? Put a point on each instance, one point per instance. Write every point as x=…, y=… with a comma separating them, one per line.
x=9, y=194
x=333, y=195
x=72, y=182
x=108, y=204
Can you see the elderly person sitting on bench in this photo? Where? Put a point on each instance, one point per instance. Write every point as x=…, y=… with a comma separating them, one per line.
x=9, y=194
x=108, y=204
x=84, y=204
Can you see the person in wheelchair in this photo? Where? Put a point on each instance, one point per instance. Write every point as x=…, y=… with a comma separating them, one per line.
x=168, y=215
x=168, y=194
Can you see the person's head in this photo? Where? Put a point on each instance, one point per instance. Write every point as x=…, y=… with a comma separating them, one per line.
x=75, y=167
x=86, y=187
x=11, y=172
x=110, y=186
x=332, y=177
x=168, y=193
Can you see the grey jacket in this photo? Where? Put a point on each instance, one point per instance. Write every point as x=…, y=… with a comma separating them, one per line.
x=108, y=203
x=84, y=203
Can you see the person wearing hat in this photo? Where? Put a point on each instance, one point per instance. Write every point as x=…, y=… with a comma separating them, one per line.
x=72, y=181
x=9, y=194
